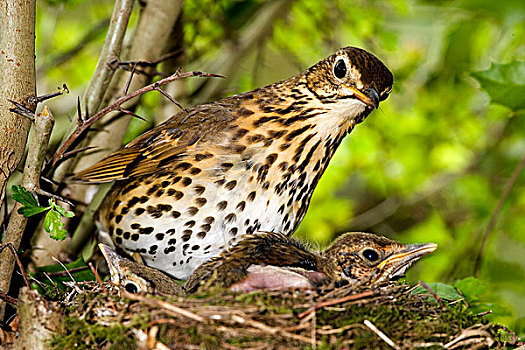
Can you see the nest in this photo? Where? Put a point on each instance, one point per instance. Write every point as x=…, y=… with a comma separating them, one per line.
x=392, y=316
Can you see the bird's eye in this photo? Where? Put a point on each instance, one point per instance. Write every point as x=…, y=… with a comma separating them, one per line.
x=370, y=255
x=131, y=287
x=340, y=69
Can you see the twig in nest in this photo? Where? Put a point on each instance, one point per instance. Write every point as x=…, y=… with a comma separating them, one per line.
x=85, y=125
x=18, y=262
x=164, y=305
x=381, y=335
x=431, y=291
x=336, y=301
x=97, y=277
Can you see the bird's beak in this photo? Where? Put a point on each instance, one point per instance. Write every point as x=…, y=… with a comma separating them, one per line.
x=112, y=259
x=369, y=96
x=396, y=264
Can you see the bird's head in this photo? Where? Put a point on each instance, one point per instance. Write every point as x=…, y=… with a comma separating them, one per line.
x=352, y=78
x=135, y=278
x=364, y=258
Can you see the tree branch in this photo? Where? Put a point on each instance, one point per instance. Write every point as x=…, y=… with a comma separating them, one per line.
x=37, y=147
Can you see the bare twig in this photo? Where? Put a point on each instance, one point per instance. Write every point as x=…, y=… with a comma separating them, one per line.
x=18, y=262
x=381, y=335
x=115, y=106
x=8, y=299
x=497, y=211
x=335, y=302
x=431, y=291
x=164, y=305
x=97, y=276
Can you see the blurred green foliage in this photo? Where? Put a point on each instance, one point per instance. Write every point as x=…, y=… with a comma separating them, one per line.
x=429, y=165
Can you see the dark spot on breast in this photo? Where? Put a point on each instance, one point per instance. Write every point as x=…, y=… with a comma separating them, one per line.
x=195, y=171
x=192, y=211
x=284, y=146
x=124, y=211
x=220, y=182
x=175, y=214
x=209, y=220
x=199, y=189
x=276, y=134
x=176, y=179
x=139, y=211
x=118, y=218
x=118, y=240
x=146, y=230
x=255, y=138
x=233, y=231
x=144, y=199
x=182, y=166
x=239, y=148
x=200, y=201
x=195, y=247
x=152, y=190
x=271, y=158
x=172, y=241
x=186, y=235
x=202, y=156
x=190, y=223
x=164, y=184
x=133, y=201
x=222, y=205
x=186, y=181
x=201, y=235
x=244, y=112
x=159, y=192
x=226, y=166
x=231, y=185
x=116, y=204
x=126, y=235
x=266, y=185
x=206, y=227
x=119, y=231
x=251, y=196
x=135, y=237
x=230, y=218
x=240, y=207
x=159, y=236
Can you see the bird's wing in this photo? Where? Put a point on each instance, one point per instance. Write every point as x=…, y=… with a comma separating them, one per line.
x=164, y=146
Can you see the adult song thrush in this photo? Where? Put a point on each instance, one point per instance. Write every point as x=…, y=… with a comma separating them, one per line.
x=191, y=187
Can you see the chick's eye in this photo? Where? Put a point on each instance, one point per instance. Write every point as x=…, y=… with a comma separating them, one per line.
x=370, y=255
x=131, y=287
x=340, y=69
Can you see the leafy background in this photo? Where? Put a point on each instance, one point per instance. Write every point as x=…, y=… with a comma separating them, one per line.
x=428, y=166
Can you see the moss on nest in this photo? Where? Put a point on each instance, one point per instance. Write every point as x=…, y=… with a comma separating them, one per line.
x=290, y=320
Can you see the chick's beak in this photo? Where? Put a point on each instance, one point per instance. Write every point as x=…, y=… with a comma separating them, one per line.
x=112, y=259
x=396, y=264
x=369, y=96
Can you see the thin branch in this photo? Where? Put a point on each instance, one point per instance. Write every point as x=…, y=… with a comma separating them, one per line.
x=509, y=184
x=335, y=302
x=115, y=106
x=18, y=262
x=381, y=335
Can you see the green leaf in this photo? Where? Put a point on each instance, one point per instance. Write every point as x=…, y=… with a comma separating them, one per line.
x=505, y=84
x=444, y=291
x=471, y=288
x=23, y=196
x=62, y=211
x=30, y=205
x=28, y=211
x=54, y=226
